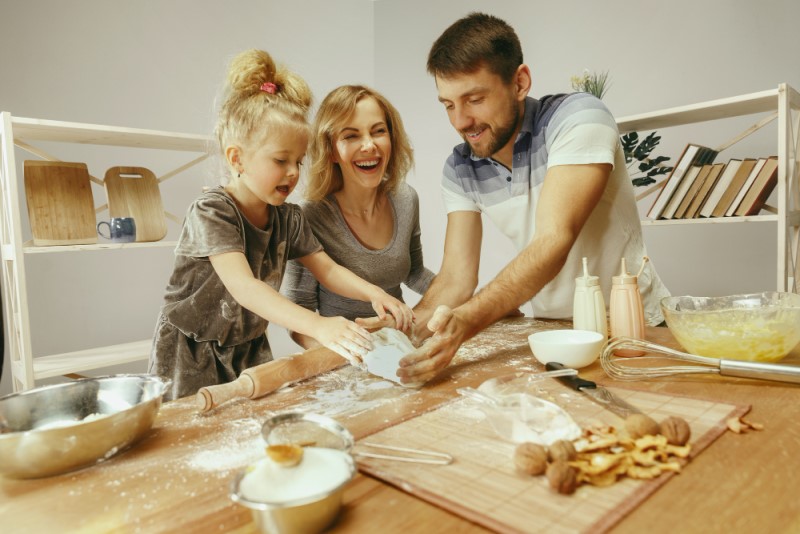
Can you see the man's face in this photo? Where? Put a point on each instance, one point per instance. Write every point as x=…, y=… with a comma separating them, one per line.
x=484, y=110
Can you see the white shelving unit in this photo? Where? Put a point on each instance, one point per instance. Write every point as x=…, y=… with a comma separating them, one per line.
x=781, y=104
x=21, y=132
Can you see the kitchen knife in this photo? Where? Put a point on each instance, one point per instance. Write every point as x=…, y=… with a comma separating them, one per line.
x=598, y=394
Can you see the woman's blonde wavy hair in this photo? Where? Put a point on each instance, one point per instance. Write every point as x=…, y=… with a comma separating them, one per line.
x=325, y=176
x=248, y=112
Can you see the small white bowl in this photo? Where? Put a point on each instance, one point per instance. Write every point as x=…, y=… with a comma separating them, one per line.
x=572, y=348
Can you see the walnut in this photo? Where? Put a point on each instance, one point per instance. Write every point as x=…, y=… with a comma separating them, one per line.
x=563, y=477
x=676, y=430
x=639, y=425
x=530, y=458
x=562, y=450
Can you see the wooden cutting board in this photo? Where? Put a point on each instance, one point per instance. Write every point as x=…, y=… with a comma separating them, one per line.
x=60, y=203
x=133, y=192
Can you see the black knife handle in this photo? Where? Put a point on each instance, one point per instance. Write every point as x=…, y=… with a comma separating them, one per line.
x=574, y=381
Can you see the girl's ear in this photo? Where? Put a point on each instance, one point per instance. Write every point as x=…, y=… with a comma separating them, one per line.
x=233, y=154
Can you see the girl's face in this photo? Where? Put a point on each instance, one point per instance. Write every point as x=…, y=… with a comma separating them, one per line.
x=272, y=169
x=362, y=147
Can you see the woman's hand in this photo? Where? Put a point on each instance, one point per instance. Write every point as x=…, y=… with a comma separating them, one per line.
x=382, y=302
x=344, y=337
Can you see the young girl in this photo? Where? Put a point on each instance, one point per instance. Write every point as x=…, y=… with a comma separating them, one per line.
x=359, y=205
x=237, y=239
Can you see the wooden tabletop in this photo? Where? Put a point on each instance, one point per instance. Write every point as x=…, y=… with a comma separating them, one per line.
x=177, y=479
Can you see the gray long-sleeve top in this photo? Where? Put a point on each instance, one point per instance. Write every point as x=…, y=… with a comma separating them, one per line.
x=399, y=262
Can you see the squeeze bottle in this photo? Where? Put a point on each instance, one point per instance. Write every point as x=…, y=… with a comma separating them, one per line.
x=589, y=307
x=626, y=312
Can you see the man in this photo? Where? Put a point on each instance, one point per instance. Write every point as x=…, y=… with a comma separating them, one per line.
x=550, y=173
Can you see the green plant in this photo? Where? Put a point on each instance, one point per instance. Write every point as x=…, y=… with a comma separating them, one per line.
x=591, y=82
x=637, y=152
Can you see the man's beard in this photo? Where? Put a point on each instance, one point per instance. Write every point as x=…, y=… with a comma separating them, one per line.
x=500, y=137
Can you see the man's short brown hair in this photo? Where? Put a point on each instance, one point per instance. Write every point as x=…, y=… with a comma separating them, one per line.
x=475, y=41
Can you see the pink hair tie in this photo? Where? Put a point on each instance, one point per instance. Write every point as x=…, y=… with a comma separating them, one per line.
x=269, y=87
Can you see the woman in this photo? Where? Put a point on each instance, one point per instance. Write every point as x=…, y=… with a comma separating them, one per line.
x=358, y=204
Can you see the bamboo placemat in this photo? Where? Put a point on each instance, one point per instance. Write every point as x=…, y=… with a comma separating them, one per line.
x=483, y=486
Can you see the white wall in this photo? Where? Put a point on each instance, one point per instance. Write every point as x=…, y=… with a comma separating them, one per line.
x=158, y=65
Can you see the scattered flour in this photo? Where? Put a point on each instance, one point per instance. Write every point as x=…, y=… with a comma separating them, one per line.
x=350, y=391
x=236, y=446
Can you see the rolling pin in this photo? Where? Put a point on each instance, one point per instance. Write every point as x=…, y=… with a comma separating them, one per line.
x=263, y=379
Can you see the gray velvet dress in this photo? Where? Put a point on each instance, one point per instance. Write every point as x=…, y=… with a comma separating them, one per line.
x=203, y=336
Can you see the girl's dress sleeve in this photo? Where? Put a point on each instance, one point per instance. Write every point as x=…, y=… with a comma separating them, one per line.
x=212, y=226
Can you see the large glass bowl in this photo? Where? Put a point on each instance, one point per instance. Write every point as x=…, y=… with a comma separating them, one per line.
x=761, y=327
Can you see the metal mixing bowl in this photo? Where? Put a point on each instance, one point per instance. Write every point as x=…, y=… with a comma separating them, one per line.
x=55, y=429
x=761, y=327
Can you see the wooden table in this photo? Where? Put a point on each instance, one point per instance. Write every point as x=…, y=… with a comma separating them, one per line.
x=177, y=479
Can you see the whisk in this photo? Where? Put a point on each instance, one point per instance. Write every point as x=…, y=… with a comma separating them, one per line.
x=623, y=368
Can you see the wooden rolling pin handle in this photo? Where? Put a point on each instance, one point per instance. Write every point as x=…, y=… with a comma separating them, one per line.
x=212, y=396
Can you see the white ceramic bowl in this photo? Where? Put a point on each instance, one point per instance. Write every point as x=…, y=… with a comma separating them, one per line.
x=572, y=348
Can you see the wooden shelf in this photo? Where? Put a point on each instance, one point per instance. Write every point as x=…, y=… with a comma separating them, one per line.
x=715, y=220
x=781, y=103
x=94, y=134
x=86, y=360
x=22, y=132
x=737, y=106
x=29, y=248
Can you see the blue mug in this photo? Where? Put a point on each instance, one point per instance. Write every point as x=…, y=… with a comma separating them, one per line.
x=120, y=229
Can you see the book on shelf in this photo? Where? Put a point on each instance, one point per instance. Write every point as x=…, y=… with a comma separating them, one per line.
x=761, y=189
x=725, y=201
x=719, y=188
x=745, y=187
x=701, y=197
x=691, y=191
x=693, y=154
x=688, y=179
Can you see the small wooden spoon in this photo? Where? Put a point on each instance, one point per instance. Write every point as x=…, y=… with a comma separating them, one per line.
x=285, y=455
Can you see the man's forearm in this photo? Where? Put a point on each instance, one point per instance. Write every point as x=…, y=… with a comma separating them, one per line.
x=516, y=284
x=443, y=290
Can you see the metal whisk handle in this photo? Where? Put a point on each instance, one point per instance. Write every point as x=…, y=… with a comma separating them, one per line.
x=762, y=371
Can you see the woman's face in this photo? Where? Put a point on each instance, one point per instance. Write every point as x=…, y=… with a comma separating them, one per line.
x=362, y=147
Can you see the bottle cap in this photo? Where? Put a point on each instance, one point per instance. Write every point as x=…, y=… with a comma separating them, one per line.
x=625, y=277
x=587, y=280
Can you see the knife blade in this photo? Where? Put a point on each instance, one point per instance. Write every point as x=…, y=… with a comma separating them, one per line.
x=598, y=394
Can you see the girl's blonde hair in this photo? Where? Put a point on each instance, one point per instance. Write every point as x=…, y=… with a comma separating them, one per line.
x=325, y=176
x=259, y=94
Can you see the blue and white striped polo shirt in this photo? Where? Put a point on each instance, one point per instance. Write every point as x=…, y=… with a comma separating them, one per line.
x=571, y=129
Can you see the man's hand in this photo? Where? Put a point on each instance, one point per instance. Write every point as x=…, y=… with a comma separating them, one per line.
x=449, y=332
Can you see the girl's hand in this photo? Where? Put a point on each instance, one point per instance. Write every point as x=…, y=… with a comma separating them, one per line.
x=382, y=303
x=345, y=338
